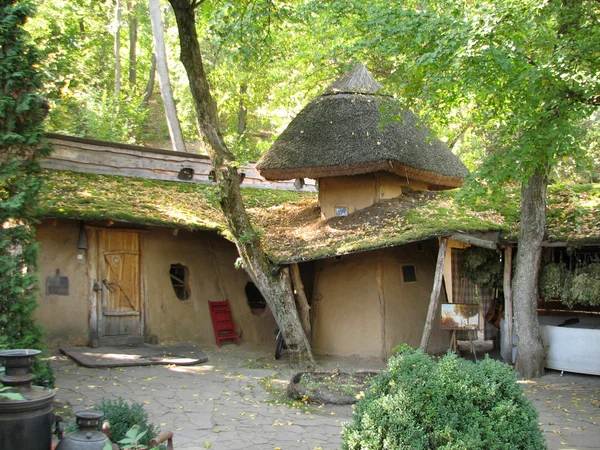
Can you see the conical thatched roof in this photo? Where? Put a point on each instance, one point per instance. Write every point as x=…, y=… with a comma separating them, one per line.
x=351, y=130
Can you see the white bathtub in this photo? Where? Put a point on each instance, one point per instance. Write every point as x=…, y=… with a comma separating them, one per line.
x=572, y=348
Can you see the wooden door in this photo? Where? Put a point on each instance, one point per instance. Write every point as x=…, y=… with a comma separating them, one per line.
x=120, y=316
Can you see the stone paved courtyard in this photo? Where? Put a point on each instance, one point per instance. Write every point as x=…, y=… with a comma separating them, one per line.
x=234, y=401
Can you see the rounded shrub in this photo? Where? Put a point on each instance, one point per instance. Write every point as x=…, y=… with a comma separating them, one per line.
x=420, y=403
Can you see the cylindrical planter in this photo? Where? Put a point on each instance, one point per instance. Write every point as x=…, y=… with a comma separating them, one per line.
x=25, y=423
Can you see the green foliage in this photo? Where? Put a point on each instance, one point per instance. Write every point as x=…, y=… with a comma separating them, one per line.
x=133, y=438
x=419, y=403
x=123, y=417
x=483, y=267
x=22, y=143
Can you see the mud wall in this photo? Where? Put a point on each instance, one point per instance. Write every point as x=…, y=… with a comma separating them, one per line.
x=363, y=306
x=211, y=276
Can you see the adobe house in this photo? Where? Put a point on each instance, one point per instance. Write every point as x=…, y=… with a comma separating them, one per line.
x=132, y=247
x=366, y=149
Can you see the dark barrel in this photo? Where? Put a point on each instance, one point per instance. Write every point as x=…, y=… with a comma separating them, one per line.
x=25, y=423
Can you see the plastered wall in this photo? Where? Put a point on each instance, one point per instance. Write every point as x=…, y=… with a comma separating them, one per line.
x=362, y=306
x=360, y=191
x=65, y=317
x=212, y=276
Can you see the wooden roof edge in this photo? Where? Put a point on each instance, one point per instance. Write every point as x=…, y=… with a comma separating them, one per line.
x=139, y=148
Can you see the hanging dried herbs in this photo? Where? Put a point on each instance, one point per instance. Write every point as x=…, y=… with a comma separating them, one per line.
x=482, y=266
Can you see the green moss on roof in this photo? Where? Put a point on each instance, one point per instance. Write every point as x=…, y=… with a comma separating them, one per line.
x=294, y=232
x=74, y=195
x=573, y=213
x=291, y=222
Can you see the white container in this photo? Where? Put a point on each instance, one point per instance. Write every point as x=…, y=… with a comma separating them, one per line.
x=572, y=348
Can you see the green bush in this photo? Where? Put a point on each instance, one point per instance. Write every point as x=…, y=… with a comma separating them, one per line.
x=419, y=403
x=22, y=144
x=123, y=416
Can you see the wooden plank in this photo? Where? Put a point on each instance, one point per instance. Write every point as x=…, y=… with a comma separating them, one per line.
x=106, y=158
x=381, y=299
x=303, y=305
x=474, y=241
x=507, y=332
x=93, y=295
x=435, y=294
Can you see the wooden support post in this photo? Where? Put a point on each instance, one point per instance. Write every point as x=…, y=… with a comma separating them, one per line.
x=302, y=300
x=507, y=332
x=434, y=301
x=381, y=299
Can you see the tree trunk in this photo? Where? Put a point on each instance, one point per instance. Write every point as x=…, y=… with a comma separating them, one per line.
x=163, y=77
x=117, y=49
x=150, y=85
x=530, y=353
x=242, y=111
x=272, y=281
x=303, y=306
x=133, y=30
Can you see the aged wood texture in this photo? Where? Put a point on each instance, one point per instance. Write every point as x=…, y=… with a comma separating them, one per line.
x=120, y=284
x=434, y=301
x=381, y=299
x=91, y=156
x=507, y=332
x=474, y=241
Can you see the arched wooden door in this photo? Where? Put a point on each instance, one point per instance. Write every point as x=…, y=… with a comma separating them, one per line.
x=120, y=315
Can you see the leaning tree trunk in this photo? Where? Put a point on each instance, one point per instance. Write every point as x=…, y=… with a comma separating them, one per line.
x=163, y=77
x=273, y=282
x=530, y=356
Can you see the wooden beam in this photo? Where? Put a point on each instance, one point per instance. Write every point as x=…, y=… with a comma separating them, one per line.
x=381, y=299
x=507, y=332
x=435, y=294
x=474, y=241
x=302, y=300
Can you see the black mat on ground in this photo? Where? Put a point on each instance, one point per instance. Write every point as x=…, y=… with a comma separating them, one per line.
x=178, y=353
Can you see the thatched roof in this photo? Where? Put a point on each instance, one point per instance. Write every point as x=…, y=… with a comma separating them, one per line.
x=351, y=130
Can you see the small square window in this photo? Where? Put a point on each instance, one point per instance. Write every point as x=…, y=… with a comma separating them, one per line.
x=409, y=273
x=341, y=210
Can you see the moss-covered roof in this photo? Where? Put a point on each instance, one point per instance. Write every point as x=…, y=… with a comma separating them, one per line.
x=291, y=223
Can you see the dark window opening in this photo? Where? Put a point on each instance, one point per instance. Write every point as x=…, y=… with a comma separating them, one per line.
x=409, y=273
x=179, y=279
x=255, y=298
x=186, y=174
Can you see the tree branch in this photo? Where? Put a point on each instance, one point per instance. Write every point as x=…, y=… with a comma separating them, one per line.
x=195, y=4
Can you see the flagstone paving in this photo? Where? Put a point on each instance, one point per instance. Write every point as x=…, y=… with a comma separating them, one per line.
x=233, y=401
